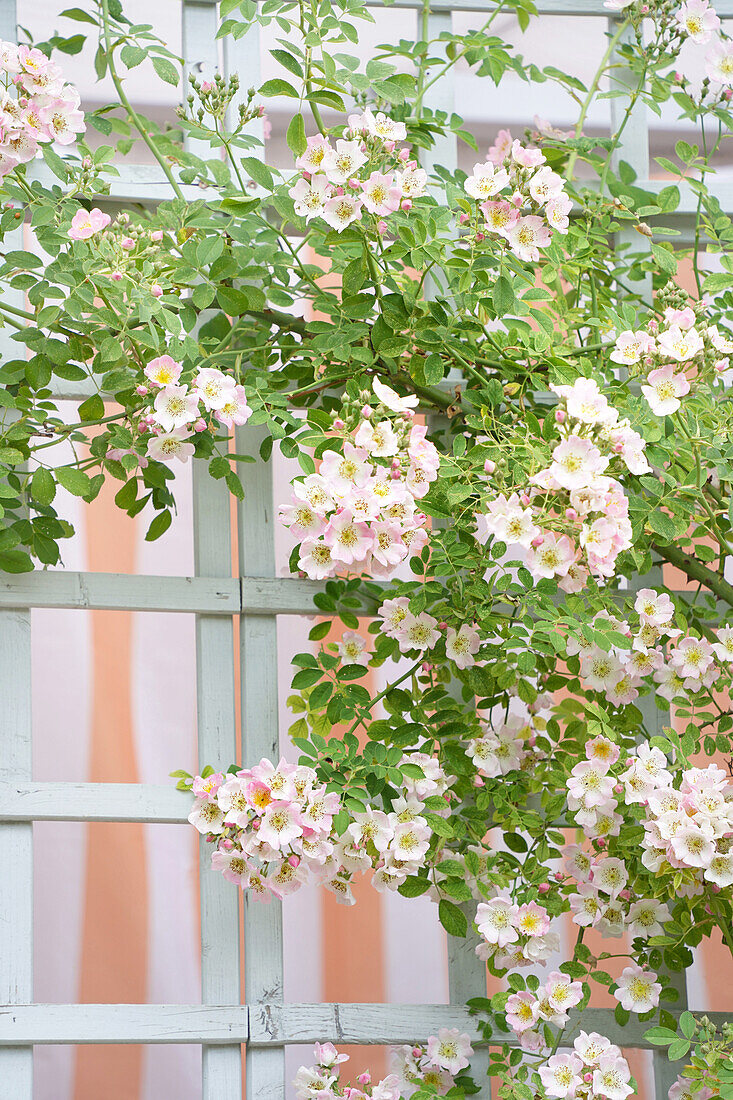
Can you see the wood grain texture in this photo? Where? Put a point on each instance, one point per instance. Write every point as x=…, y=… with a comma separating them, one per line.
x=271, y=1026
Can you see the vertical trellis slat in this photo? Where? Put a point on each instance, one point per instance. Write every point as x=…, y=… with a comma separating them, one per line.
x=263, y=935
x=220, y=936
x=16, y=844
x=217, y=735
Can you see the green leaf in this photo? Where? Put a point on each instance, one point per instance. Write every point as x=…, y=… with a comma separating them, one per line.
x=458, y=888
x=717, y=282
x=43, y=486
x=413, y=887
x=259, y=172
x=288, y=62
x=503, y=297
x=15, y=561
x=167, y=71
x=353, y=277
x=678, y=1049
x=73, y=480
x=132, y=56
x=159, y=525
x=10, y=456
x=92, y=408
x=306, y=678
x=665, y=259
x=55, y=163
x=687, y=1024
x=439, y=825
x=79, y=16
x=295, y=136
x=660, y=1036
x=452, y=918
x=277, y=87
x=433, y=369
x=662, y=525
x=352, y=672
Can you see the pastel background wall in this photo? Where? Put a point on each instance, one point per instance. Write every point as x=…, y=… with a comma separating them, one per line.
x=114, y=700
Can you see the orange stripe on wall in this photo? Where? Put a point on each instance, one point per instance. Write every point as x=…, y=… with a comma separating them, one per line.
x=115, y=925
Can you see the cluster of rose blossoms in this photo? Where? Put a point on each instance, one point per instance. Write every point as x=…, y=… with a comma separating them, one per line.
x=691, y=663
x=434, y=1064
x=514, y=935
x=601, y=898
x=363, y=172
x=674, y=353
x=507, y=745
x=520, y=197
x=43, y=109
x=359, y=512
x=594, y=1070
x=692, y=827
x=526, y=1012
x=687, y=828
x=273, y=828
x=176, y=411
x=573, y=508
x=422, y=632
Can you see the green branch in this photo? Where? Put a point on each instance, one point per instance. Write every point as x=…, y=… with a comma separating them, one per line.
x=696, y=571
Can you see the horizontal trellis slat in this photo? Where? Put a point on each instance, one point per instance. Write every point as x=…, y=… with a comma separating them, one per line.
x=49, y=801
x=274, y=1025
x=127, y=592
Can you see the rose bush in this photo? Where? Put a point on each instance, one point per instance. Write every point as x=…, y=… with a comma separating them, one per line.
x=504, y=444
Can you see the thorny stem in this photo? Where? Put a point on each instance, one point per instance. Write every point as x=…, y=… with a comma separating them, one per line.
x=592, y=91
x=131, y=112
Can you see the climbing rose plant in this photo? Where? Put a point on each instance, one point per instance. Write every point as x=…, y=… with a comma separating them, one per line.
x=512, y=456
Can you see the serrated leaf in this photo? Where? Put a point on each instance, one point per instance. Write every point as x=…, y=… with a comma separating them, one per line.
x=73, y=480
x=664, y=258
x=43, y=486
x=452, y=918
x=166, y=70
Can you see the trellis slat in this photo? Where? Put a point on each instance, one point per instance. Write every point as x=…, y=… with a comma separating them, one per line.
x=217, y=732
x=266, y=1029
x=263, y=929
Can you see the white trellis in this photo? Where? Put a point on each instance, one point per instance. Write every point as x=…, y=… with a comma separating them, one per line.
x=220, y=1024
